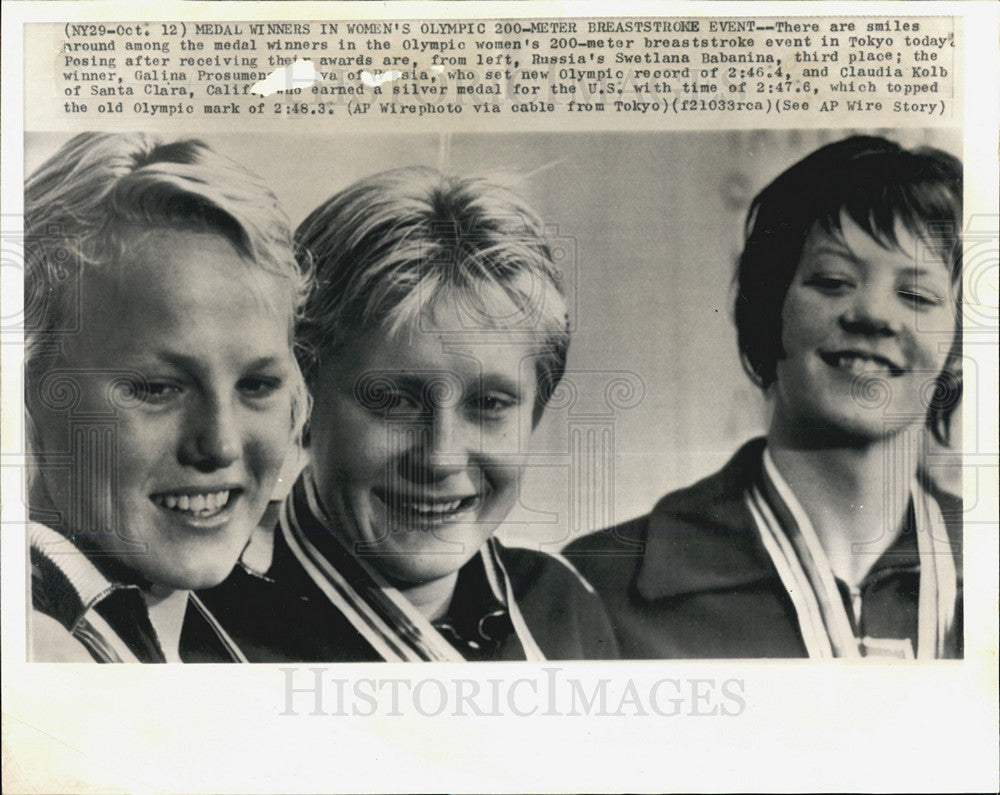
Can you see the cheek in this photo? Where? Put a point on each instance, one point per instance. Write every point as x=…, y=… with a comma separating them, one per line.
x=790, y=333
x=804, y=321
x=50, y=431
x=269, y=438
x=521, y=426
x=931, y=346
x=505, y=454
x=146, y=443
x=505, y=443
x=506, y=477
x=348, y=442
x=505, y=486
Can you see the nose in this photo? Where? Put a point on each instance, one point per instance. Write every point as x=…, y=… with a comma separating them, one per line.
x=872, y=312
x=213, y=439
x=443, y=447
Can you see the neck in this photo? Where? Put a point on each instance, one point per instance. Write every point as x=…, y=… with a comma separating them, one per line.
x=432, y=598
x=166, y=613
x=855, y=495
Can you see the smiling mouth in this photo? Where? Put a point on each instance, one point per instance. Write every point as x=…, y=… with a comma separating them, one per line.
x=430, y=510
x=201, y=505
x=860, y=362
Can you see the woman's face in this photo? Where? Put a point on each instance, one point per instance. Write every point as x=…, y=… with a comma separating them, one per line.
x=164, y=425
x=866, y=331
x=418, y=442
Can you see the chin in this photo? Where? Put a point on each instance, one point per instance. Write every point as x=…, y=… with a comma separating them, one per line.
x=416, y=567
x=196, y=580
x=206, y=569
x=854, y=430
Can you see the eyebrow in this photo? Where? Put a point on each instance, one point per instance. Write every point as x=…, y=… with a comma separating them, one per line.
x=193, y=363
x=503, y=383
x=416, y=381
x=833, y=246
x=264, y=362
x=841, y=249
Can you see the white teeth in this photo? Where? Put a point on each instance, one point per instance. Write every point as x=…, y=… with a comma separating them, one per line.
x=856, y=365
x=204, y=504
x=433, y=508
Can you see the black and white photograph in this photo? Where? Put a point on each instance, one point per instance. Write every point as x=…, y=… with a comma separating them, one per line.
x=426, y=310
x=686, y=422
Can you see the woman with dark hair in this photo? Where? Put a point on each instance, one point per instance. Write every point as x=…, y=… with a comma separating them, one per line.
x=824, y=539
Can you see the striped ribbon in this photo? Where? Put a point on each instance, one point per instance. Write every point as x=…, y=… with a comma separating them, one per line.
x=376, y=609
x=106, y=645
x=101, y=640
x=228, y=644
x=84, y=588
x=804, y=569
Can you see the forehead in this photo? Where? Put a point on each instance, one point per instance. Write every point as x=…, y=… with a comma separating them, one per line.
x=476, y=316
x=180, y=289
x=851, y=242
x=486, y=311
x=448, y=344
x=436, y=345
x=181, y=266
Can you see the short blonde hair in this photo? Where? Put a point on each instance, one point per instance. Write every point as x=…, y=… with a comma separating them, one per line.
x=389, y=246
x=86, y=201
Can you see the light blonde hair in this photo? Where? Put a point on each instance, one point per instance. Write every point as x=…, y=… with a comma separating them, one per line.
x=391, y=246
x=84, y=204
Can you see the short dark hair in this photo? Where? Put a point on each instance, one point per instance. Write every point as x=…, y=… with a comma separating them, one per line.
x=876, y=183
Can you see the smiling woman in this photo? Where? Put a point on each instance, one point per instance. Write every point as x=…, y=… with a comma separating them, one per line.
x=425, y=464
x=824, y=540
x=161, y=388
x=860, y=315
x=431, y=342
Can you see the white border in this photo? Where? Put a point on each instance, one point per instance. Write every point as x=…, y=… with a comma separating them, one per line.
x=806, y=726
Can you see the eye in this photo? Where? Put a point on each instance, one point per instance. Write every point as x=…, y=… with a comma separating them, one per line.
x=921, y=298
x=388, y=401
x=400, y=403
x=156, y=392
x=494, y=405
x=259, y=386
x=830, y=284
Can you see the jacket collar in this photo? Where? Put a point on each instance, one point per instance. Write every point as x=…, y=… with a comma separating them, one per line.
x=703, y=538
x=477, y=594
x=66, y=582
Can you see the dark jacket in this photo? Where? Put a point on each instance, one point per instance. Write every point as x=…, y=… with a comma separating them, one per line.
x=88, y=606
x=692, y=579
x=281, y=616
